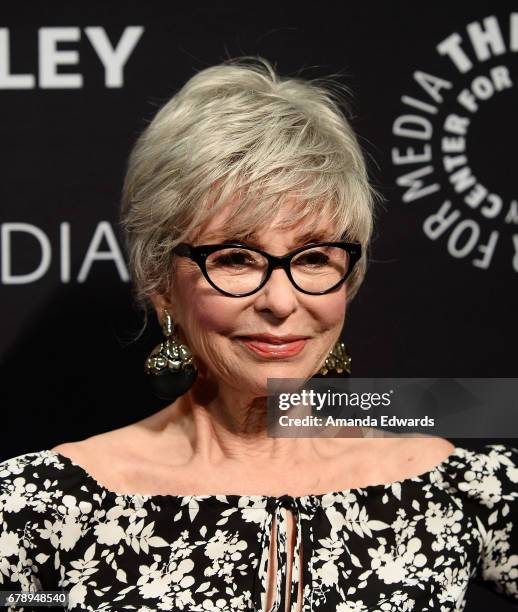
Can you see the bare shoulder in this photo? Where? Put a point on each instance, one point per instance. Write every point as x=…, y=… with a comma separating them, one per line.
x=422, y=454
x=434, y=449
x=104, y=454
x=122, y=442
x=107, y=445
x=121, y=457
x=128, y=459
x=68, y=449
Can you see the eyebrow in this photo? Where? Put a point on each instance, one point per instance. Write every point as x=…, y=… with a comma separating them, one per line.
x=251, y=238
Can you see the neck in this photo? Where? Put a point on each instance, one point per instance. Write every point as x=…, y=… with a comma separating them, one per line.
x=224, y=427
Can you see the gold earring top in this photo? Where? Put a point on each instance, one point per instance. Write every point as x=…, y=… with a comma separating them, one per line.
x=167, y=324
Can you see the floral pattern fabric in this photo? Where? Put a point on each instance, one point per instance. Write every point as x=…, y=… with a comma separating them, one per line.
x=413, y=545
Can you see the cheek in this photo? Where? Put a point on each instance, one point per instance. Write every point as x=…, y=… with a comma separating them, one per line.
x=329, y=310
x=214, y=315
x=200, y=310
x=209, y=323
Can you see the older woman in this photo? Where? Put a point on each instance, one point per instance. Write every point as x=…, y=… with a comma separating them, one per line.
x=247, y=215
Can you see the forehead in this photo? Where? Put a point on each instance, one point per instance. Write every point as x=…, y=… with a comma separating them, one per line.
x=225, y=223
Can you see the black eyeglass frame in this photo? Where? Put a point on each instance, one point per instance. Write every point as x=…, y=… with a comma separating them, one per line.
x=199, y=255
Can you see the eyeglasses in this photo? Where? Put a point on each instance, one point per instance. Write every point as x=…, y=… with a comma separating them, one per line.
x=238, y=271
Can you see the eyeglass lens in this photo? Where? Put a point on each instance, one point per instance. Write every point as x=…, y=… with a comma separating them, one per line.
x=239, y=270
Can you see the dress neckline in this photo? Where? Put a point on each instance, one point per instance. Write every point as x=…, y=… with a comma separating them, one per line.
x=263, y=501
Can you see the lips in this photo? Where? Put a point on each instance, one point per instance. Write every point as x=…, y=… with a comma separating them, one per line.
x=274, y=347
x=271, y=339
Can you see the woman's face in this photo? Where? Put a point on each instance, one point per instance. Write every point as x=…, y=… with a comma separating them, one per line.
x=216, y=327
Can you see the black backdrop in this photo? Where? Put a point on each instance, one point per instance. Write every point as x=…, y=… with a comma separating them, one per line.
x=435, y=108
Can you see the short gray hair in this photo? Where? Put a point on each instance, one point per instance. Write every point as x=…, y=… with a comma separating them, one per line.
x=239, y=128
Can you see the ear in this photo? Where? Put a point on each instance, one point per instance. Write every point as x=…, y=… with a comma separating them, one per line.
x=161, y=302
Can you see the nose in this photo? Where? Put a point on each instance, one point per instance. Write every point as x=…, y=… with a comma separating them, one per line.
x=278, y=296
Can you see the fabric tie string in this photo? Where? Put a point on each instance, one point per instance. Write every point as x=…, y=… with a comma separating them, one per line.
x=289, y=503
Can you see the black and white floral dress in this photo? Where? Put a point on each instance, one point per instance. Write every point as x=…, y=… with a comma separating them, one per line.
x=412, y=545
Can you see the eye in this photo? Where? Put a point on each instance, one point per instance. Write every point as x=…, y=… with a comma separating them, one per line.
x=312, y=258
x=233, y=258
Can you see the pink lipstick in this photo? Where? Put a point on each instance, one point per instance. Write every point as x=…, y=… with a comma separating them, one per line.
x=274, y=347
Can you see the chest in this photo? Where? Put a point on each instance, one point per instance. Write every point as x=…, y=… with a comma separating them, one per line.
x=226, y=554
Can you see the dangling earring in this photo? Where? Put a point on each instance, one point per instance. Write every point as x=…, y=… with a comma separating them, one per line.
x=170, y=364
x=337, y=360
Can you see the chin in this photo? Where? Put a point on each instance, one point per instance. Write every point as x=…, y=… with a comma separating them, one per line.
x=260, y=385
